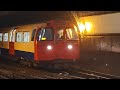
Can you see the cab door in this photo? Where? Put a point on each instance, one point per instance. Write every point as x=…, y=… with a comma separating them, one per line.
x=11, y=42
x=45, y=44
x=60, y=44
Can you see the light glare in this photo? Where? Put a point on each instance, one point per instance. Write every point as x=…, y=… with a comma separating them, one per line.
x=88, y=26
x=49, y=47
x=81, y=27
x=69, y=46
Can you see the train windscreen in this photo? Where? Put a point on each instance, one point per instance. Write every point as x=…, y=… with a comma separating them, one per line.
x=72, y=34
x=45, y=34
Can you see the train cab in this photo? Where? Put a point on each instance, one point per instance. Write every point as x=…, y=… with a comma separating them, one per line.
x=58, y=40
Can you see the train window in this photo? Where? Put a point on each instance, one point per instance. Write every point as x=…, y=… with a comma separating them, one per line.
x=1, y=36
x=72, y=34
x=12, y=36
x=26, y=36
x=60, y=34
x=45, y=34
x=33, y=35
x=5, y=37
x=19, y=37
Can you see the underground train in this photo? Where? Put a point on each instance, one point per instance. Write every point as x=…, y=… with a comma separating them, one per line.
x=52, y=41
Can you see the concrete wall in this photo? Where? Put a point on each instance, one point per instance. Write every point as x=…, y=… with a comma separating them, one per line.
x=91, y=45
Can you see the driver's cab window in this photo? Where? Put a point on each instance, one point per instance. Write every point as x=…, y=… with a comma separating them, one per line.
x=60, y=34
x=71, y=34
x=45, y=34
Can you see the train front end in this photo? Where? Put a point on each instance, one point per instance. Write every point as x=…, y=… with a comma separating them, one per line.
x=67, y=42
x=57, y=42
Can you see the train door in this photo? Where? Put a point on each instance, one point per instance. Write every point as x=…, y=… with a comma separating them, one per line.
x=1, y=42
x=11, y=42
x=45, y=44
x=60, y=44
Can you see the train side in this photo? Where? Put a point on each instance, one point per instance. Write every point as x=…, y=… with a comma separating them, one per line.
x=18, y=40
x=25, y=48
x=4, y=40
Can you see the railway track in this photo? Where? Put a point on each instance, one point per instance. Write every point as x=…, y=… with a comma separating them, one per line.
x=69, y=76
x=100, y=75
x=5, y=74
x=16, y=71
x=12, y=74
x=3, y=77
x=87, y=74
x=11, y=70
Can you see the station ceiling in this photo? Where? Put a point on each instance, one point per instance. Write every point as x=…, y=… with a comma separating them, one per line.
x=11, y=18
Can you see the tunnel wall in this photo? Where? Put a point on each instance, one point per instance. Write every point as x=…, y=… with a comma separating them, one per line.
x=94, y=45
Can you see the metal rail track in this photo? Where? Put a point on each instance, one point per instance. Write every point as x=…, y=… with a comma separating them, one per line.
x=5, y=74
x=108, y=76
x=66, y=74
x=3, y=77
x=87, y=74
x=14, y=72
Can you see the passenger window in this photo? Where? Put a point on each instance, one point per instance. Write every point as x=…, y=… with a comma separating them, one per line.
x=12, y=35
x=45, y=34
x=19, y=37
x=33, y=35
x=1, y=36
x=60, y=35
x=5, y=37
x=26, y=36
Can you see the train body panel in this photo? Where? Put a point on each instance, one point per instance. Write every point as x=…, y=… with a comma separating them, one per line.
x=4, y=40
x=42, y=51
x=4, y=43
x=28, y=47
x=106, y=23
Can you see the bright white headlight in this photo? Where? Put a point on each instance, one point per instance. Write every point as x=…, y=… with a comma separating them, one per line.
x=49, y=47
x=70, y=47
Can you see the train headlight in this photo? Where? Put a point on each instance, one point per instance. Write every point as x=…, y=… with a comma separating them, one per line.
x=70, y=46
x=49, y=47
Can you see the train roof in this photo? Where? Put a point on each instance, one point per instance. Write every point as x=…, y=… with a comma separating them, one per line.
x=37, y=24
